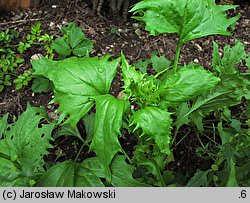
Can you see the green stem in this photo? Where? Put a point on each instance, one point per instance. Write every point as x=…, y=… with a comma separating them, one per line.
x=130, y=161
x=175, y=135
x=200, y=141
x=203, y=146
x=5, y=156
x=158, y=74
x=159, y=176
x=79, y=152
x=177, y=55
x=161, y=179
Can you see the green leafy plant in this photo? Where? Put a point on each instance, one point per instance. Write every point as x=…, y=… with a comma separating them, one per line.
x=189, y=19
x=97, y=80
x=132, y=83
x=23, y=80
x=114, y=31
x=4, y=81
x=35, y=37
x=9, y=60
x=189, y=92
x=22, y=47
x=47, y=41
x=30, y=38
x=35, y=32
x=73, y=42
x=231, y=156
x=23, y=145
x=88, y=174
x=7, y=36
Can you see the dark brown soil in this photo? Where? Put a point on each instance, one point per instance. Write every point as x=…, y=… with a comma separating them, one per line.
x=111, y=38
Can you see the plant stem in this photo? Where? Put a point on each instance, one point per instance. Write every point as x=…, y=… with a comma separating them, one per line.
x=9, y=158
x=159, y=176
x=79, y=152
x=177, y=55
x=130, y=161
x=215, y=143
x=158, y=74
x=161, y=179
x=182, y=139
x=200, y=141
x=175, y=135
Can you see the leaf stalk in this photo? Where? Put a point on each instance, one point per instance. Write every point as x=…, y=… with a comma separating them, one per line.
x=177, y=55
x=79, y=152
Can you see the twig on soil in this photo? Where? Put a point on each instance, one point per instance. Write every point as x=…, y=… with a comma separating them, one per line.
x=139, y=54
x=21, y=21
x=20, y=109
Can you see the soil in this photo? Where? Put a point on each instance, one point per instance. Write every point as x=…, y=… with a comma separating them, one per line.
x=111, y=38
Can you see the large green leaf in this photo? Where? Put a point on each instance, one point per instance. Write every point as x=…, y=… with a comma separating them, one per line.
x=121, y=172
x=190, y=19
x=69, y=174
x=156, y=123
x=61, y=47
x=227, y=93
x=108, y=122
x=23, y=146
x=185, y=85
x=77, y=81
